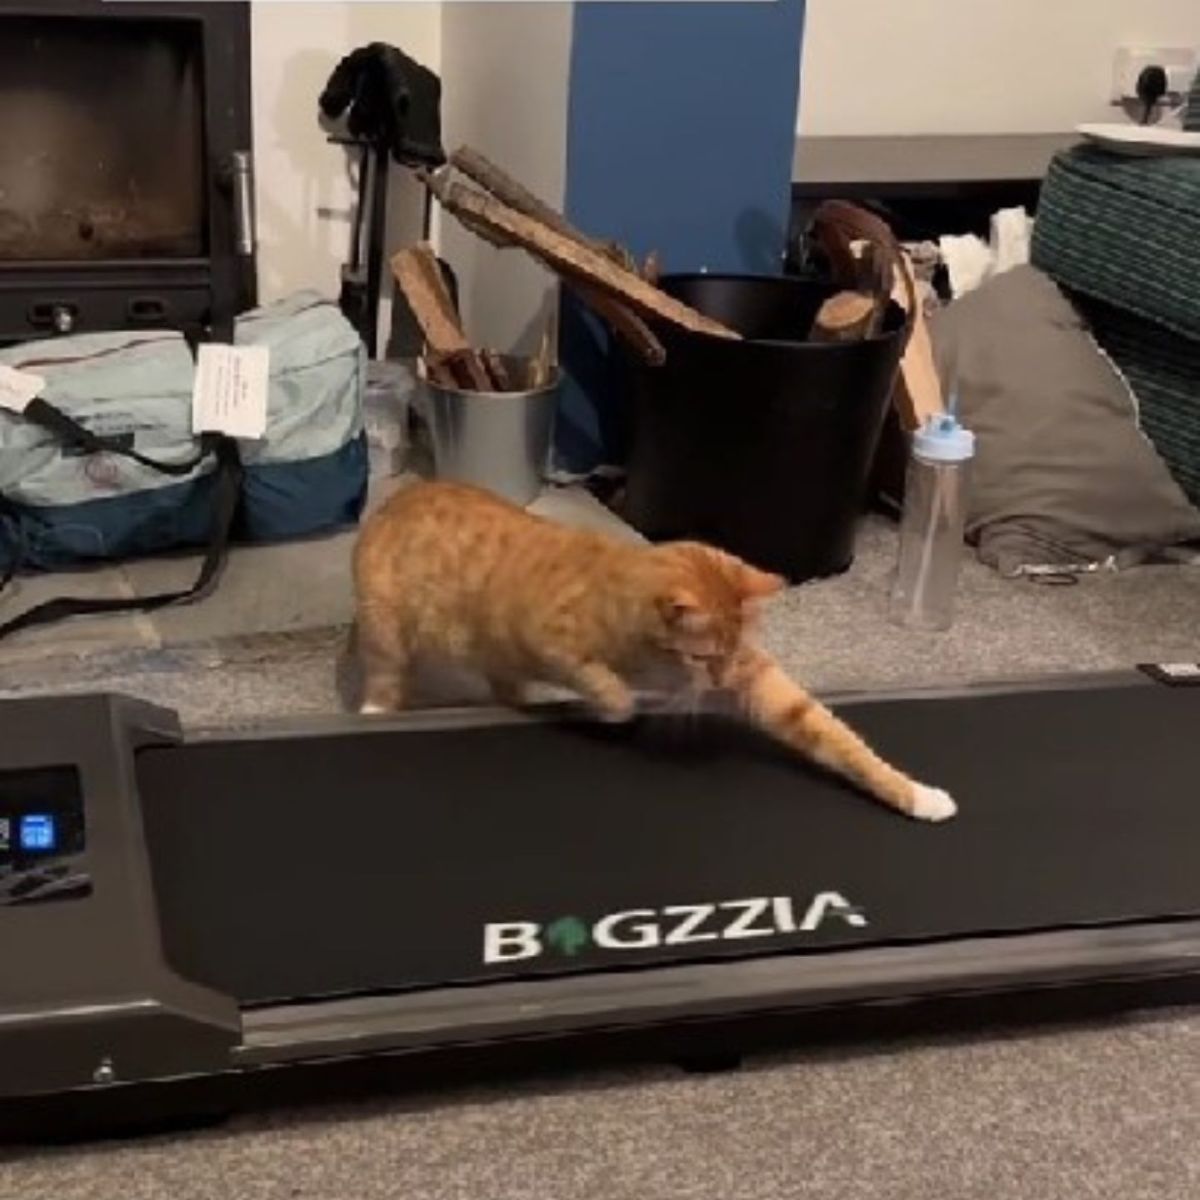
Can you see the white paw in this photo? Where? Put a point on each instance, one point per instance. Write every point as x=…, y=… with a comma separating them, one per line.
x=615, y=716
x=932, y=804
x=372, y=710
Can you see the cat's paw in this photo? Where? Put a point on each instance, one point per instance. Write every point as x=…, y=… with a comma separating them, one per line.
x=613, y=715
x=932, y=804
x=615, y=710
x=371, y=709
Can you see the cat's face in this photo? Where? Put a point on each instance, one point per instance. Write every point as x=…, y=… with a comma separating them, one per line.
x=706, y=608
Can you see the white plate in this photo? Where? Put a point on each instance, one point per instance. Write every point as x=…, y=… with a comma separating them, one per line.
x=1141, y=140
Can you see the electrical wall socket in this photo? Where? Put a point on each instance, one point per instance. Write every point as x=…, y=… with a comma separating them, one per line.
x=1179, y=62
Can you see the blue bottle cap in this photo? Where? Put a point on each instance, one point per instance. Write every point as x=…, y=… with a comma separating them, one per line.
x=942, y=439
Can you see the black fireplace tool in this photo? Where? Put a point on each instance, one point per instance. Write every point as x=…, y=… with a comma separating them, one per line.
x=392, y=110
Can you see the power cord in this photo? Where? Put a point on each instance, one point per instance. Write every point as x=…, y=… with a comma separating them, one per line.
x=1152, y=86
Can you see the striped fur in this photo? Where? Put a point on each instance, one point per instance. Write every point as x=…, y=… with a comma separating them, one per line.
x=450, y=570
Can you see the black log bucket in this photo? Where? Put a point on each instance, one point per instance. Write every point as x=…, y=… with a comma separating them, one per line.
x=765, y=446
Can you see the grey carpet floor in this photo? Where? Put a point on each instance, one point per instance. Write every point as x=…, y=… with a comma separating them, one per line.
x=1108, y=1111
x=833, y=634
x=1111, y=1113
x=263, y=588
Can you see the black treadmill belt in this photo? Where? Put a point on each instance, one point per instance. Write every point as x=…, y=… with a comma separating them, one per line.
x=362, y=862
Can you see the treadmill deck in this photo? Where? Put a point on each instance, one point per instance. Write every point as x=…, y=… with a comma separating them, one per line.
x=372, y=861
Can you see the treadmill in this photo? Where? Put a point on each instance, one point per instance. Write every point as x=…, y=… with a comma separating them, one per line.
x=196, y=921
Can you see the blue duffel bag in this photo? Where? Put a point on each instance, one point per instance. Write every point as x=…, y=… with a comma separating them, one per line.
x=103, y=465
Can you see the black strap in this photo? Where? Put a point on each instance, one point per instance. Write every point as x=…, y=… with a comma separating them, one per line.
x=228, y=490
x=10, y=529
x=71, y=433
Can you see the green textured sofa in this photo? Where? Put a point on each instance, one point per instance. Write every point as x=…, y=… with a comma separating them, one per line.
x=1121, y=235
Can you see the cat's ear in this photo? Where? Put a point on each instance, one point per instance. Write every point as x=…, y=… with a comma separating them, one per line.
x=752, y=583
x=681, y=608
x=757, y=585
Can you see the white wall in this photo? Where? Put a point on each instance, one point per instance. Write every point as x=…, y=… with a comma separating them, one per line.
x=304, y=192
x=973, y=66
x=504, y=76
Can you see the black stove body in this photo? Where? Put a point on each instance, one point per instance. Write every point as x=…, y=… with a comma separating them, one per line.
x=126, y=170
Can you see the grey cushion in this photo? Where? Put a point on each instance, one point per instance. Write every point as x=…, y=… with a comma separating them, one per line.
x=1063, y=475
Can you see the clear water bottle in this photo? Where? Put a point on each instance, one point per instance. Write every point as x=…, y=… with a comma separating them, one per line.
x=932, y=524
x=386, y=399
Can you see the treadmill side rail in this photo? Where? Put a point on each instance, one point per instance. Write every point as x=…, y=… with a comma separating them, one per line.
x=86, y=994
x=1142, y=954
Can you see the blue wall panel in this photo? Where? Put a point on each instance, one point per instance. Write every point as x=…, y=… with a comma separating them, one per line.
x=680, y=136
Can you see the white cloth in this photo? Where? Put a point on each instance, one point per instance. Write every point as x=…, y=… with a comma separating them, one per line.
x=970, y=261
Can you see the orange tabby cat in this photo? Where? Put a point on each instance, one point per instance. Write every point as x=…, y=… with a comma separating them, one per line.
x=453, y=570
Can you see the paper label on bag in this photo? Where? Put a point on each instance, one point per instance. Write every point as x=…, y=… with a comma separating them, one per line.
x=17, y=388
x=230, y=392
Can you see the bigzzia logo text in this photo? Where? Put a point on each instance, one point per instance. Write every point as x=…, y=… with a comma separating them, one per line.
x=674, y=925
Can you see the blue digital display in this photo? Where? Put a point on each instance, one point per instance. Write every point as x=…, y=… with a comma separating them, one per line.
x=36, y=833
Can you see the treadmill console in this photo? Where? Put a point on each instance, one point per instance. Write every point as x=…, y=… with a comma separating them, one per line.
x=87, y=996
x=42, y=836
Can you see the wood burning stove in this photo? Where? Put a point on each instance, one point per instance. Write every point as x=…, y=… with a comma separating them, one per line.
x=126, y=195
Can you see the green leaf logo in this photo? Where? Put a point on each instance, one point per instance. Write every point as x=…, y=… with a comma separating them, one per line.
x=568, y=935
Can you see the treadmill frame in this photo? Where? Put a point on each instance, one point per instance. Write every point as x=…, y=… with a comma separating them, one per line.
x=727, y=1003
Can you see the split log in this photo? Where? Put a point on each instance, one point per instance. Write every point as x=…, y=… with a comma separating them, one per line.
x=844, y=317
x=496, y=181
x=418, y=276
x=542, y=365
x=917, y=394
x=624, y=322
x=507, y=190
x=498, y=371
x=438, y=371
x=567, y=257
x=421, y=282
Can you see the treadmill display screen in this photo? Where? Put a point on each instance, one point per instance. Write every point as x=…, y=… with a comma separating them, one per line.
x=42, y=835
x=37, y=833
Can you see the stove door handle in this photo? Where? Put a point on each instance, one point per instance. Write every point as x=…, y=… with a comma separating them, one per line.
x=242, y=174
